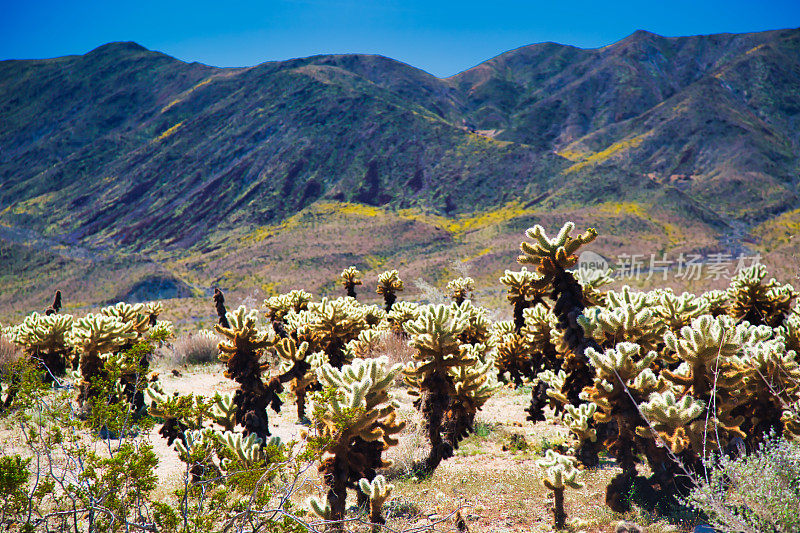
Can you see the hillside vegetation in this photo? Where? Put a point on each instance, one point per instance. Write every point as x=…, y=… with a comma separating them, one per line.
x=174, y=175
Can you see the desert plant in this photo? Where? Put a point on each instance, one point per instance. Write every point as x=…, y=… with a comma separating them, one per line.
x=378, y=491
x=523, y=291
x=560, y=473
x=298, y=367
x=350, y=277
x=756, y=492
x=55, y=307
x=44, y=339
x=389, y=284
x=512, y=353
x=461, y=289
x=355, y=421
x=196, y=348
x=328, y=326
x=93, y=336
x=241, y=350
x=759, y=302
x=552, y=258
x=219, y=305
x=401, y=313
x=279, y=306
x=441, y=360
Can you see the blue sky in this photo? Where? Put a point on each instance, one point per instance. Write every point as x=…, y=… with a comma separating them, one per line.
x=442, y=37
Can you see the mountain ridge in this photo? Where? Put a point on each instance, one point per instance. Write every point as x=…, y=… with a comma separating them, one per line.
x=131, y=151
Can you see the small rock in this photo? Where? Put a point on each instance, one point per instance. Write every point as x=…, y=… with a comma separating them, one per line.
x=628, y=527
x=177, y=373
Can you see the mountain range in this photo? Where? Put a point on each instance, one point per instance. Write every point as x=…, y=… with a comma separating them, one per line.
x=127, y=173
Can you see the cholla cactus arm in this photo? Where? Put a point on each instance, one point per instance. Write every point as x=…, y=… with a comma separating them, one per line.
x=331, y=324
x=560, y=472
x=634, y=322
x=319, y=508
x=591, y=280
x=477, y=326
x=678, y=311
x=549, y=255
x=679, y=422
x=248, y=451
x=134, y=314
x=378, y=491
x=764, y=380
x=461, y=289
x=708, y=345
x=153, y=309
x=513, y=354
x=401, y=313
x=364, y=346
x=579, y=421
x=350, y=277
x=223, y=411
x=389, y=284
x=789, y=331
x=473, y=385
x=555, y=382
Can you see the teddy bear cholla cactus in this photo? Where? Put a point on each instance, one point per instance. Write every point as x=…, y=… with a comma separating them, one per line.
x=350, y=277
x=623, y=379
x=92, y=336
x=45, y=340
x=241, y=350
x=279, y=306
x=591, y=280
x=560, y=473
x=355, y=421
x=298, y=367
x=523, y=290
x=389, y=284
x=552, y=258
x=461, y=289
x=512, y=352
x=442, y=364
x=759, y=302
x=770, y=375
x=628, y=316
x=378, y=491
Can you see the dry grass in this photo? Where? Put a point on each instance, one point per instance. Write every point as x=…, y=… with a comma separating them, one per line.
x=192, y=349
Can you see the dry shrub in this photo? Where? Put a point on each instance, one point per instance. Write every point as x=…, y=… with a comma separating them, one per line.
x=396, y=348
x=193, y=349
x=10, y=353
x=412, y=448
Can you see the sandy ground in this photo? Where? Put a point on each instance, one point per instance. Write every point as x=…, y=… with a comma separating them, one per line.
x=493, y=481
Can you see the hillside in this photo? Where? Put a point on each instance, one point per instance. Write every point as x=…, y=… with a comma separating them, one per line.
x=174, y=177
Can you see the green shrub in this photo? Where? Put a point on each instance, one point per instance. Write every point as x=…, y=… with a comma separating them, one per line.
x=758, y=492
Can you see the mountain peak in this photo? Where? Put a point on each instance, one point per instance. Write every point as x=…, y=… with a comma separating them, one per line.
x=119, y=47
